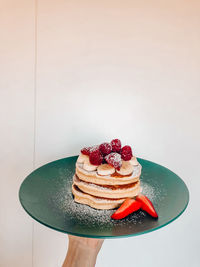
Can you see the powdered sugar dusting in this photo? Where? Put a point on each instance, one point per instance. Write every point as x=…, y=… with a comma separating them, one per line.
x=93, y=148
x=101, y=188
x=136, y=171
x=148, y=191
x=85, y=215
x=150, y=187
x=64, y=204
x=96, y=186
x=114, y=159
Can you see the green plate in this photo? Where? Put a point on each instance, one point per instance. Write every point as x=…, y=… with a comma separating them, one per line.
x=46, y=196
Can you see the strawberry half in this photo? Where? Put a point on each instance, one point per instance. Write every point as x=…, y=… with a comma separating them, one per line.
x=128, y=206
x=147, y=205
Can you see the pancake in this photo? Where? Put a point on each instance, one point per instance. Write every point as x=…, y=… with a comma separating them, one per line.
x=114, y=192
x=113, y=179
x=103, y=186
x=95, y=202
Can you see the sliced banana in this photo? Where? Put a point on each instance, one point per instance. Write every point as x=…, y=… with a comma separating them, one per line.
x=88, y=166
x=105, y=169
x=82, y=158
x=126, y=168
x=133, y=161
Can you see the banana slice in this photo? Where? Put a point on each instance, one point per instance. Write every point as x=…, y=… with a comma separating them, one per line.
x=126, y=168
x=88, y=166
x=105, y=169
x=133, y=161
x=82, y=158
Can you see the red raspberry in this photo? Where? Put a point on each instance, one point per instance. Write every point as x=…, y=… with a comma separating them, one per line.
x=116, y=145
x=96, y=157
x=86, y=150
x=126, y=153
x=105, y=148
x=114, y=159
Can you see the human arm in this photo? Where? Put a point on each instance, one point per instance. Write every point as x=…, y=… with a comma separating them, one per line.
x=82, y=252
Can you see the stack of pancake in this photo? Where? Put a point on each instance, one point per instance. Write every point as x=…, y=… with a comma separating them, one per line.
x=104, y=187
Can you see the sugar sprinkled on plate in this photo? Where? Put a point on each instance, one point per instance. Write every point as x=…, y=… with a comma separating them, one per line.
x=64, y=203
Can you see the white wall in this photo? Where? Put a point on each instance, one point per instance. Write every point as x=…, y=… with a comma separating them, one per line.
x=127, y=69
x=16, y=128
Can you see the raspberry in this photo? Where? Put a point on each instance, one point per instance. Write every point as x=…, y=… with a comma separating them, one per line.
x=126, y=153
x=116, y=145
x=96, y=157
x=86, y=150
x=105, y=148
x=114, y=159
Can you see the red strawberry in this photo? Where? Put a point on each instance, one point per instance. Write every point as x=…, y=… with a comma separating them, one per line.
x=129, y=206
x=116, y=145
x=96, y=158
x=126, y=153
x=114, y=159
x=105, y=148
x=146, y=205
x=86, y=150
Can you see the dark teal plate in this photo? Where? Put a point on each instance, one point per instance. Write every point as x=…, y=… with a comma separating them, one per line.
x=46, y=196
